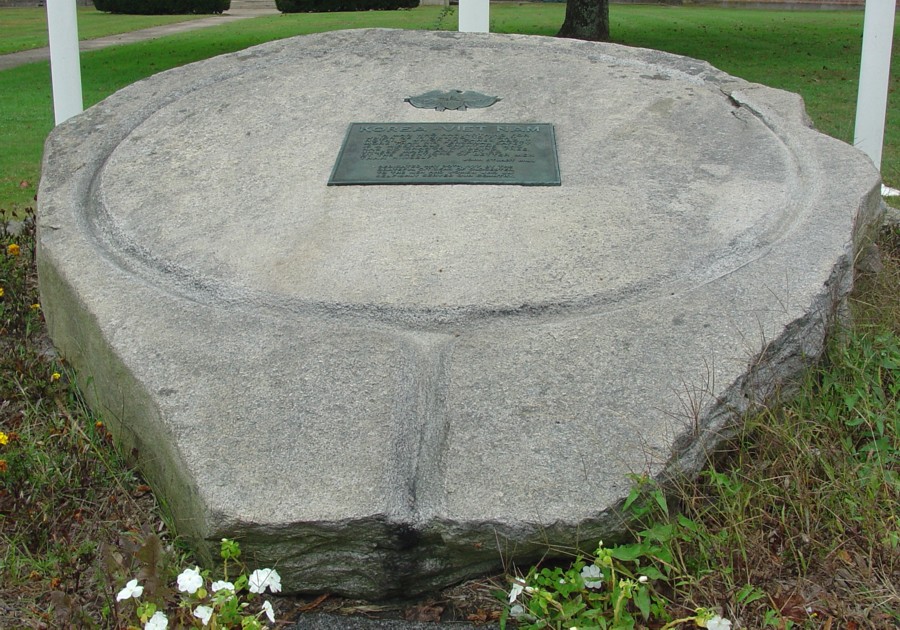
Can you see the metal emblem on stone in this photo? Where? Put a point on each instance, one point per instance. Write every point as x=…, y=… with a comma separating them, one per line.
x=451, y=99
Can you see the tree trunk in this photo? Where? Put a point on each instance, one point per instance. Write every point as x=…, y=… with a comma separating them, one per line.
x=586, y=19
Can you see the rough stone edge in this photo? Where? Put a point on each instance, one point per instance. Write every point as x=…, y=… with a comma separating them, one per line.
x=111, y=378
x=774, y=372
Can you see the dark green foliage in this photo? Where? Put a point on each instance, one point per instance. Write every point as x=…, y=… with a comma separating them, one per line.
x=321, y=6
x=162, y=7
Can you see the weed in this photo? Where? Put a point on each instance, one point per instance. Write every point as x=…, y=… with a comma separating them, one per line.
x=611, y=590
x=445, y=20
x=63, y=489
x=620, y=587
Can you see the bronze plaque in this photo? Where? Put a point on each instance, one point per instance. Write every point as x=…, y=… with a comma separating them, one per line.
x=448, y=153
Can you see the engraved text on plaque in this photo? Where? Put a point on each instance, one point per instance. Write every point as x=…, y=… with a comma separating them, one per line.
x=448, y=153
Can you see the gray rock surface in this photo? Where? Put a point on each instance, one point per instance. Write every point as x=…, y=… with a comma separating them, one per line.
x=382, y=390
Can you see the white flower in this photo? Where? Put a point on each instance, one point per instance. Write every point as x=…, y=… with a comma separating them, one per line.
x=131, y=590
x=515, y=591
x=190, y=580
x=158, y=621
x=261, y=579
x=592, y=576
x=517, y=611
x=267, y=607
x=718, y=623
x=218, y=585
x=203, y=613
x=643, y=579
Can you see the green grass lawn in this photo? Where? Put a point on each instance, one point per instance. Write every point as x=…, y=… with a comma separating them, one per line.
x=21, y=29
x=813, y=53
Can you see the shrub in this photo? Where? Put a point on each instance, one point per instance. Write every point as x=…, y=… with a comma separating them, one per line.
x=321, y=6
x=162, y=7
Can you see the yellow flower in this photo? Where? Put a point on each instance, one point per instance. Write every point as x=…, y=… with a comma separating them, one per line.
x=1, y=291
x=55, y=376
x=3, y=438
x=12, y=249
x=35, y=307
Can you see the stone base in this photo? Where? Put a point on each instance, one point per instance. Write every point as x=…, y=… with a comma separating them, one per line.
x=382, y=390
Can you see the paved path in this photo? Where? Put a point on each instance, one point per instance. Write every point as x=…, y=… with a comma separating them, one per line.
x=13, y=60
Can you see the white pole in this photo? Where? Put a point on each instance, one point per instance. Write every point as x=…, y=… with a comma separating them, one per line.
x=874, y=73
x=65, y=63
x=474, y=16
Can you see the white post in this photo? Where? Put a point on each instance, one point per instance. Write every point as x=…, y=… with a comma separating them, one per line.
x=474, y=16
x=874, y=71
x=65, y=63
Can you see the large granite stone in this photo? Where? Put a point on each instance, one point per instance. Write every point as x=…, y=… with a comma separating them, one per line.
x=384, y=389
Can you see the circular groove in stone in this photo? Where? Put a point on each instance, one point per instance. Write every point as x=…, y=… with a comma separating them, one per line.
x=247, y=177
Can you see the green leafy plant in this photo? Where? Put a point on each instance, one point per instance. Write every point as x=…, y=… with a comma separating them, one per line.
x=202, y=601
x=613, y=590
x=445, y=20
x=621, y=586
